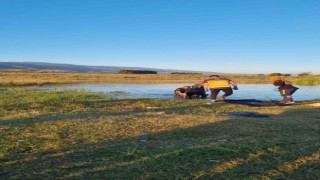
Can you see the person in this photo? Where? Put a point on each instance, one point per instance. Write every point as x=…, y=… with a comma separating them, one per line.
x=194, y=91
x=285, y=88
x=217, y=84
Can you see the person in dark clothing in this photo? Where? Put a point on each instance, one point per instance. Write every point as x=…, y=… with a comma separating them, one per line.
x=217, y=84
x=194, y=91
x=286, y=89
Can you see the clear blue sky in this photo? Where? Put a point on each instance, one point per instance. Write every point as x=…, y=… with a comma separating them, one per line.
x=233, y=36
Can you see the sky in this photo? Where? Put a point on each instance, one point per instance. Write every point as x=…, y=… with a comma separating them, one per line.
x=229, y=36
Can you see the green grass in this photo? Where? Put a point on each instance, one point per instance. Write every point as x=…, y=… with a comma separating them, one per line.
x=78, y=134
x=308, y=80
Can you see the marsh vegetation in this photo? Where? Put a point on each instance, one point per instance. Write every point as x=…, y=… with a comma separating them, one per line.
x=34, y=78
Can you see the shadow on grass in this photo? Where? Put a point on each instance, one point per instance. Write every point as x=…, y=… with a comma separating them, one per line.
x=105, y=108
x=282, y=146
x=61, y=117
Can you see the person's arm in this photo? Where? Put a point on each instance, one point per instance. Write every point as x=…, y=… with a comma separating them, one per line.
x=205, y=86
x=233, y=84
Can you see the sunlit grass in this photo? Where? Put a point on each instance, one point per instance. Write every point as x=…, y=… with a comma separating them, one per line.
x=78, y=134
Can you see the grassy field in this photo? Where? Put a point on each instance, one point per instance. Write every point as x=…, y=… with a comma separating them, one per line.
x=77, y=134
x=33, y=78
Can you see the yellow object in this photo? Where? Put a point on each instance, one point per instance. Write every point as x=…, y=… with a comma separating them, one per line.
x=218, y=83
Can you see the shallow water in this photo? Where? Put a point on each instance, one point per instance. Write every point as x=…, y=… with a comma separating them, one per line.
x=165, y=91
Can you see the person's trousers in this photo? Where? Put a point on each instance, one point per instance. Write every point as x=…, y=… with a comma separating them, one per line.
x=215, y=92
x=287, y=98
x=287, y=94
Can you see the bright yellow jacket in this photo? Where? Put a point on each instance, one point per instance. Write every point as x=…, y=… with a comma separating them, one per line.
x=222, y=83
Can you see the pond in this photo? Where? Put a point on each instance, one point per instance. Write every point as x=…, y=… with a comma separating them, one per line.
x=165, y=91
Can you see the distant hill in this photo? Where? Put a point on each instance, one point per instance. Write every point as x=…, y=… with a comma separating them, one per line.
x=53, y=67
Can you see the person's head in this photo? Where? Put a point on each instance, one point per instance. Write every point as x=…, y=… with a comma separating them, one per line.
x=215, y=77
x=275, y=78
x=278, y=83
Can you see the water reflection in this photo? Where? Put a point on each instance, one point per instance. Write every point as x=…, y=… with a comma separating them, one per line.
x=165, y=91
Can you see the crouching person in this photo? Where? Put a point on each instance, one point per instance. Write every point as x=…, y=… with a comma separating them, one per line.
x=285, y=88
x=194, y=91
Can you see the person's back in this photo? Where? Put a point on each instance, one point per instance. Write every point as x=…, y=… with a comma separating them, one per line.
x=196, y=90
x=218, y=83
